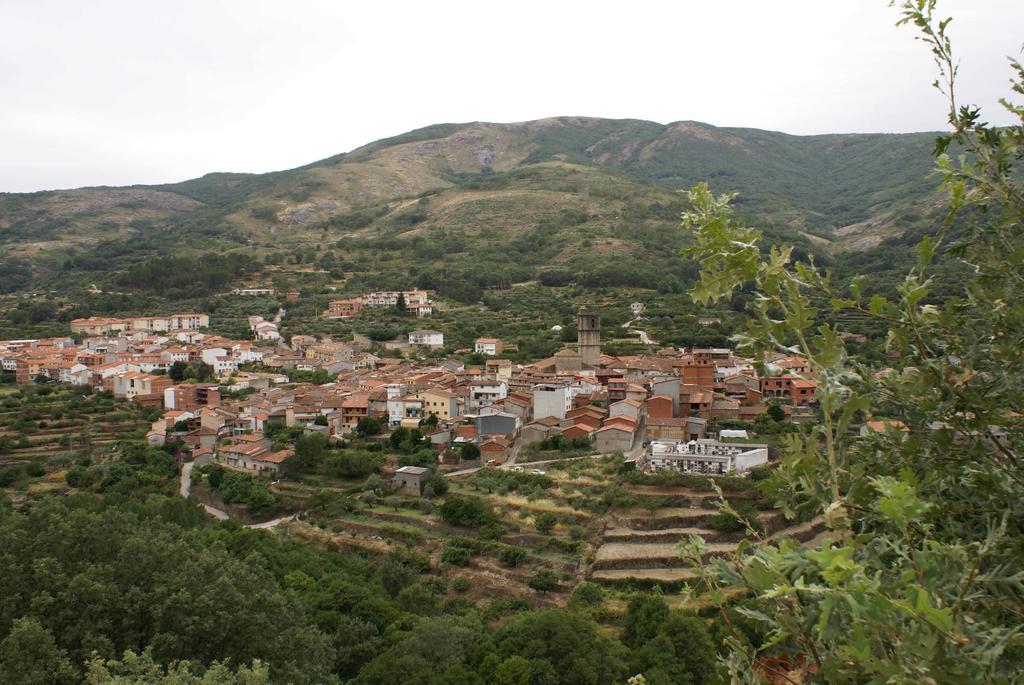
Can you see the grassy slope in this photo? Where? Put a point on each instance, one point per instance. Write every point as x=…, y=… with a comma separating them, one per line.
x=451, y=199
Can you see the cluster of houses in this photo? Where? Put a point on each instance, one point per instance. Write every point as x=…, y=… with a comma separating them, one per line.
x=416, y=301
x=488, y=347
x=263, y=330
x=672, y=397
x=100, y=325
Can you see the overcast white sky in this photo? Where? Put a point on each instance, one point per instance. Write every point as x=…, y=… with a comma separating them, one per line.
x=112, y=92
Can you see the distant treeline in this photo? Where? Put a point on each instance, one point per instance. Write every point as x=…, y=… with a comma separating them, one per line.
x=190, y=276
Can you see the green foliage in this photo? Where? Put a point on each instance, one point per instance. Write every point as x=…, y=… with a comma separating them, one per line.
x=469, y=451
x=134, y=668
x=353, y=463
x=735, y=520
x=545, y=522
x=186, y=276
x=469, y=512
x=30, y=655
x=561, y=647
x=512, y=556
x=680, y=651
x=543, y=580
x=424, y=457
x=586, y=595
x=79, y=476
x=507, y=480
x=137, y=578
x=436, y=486
x=309, y=451
x=239, y=488
x=456, y=555
x=406, y=439
x=921, y=580
x=368, y=426
x=644, y=617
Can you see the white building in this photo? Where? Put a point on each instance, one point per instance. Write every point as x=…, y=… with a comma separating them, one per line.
x=245, y=353
x=265, y=330
x=396, y=407
x=255, y=292
x=175, y=354
x=551, y=399
x=421, y=309
x=427, y=338
x=707, y=456
x=488, y=346
x=220, y=360
x=389, y=298
x=483, y=393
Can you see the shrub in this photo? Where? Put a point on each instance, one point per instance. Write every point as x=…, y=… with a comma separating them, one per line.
x=492, y=531
x=512, y=556
x=436, y=486
x=352, y=463
x=8, y=476
x=543, y=581
x=586, y=594
x=460, y=584
x=79, y=476
x=455, y=555
x=545, y=522
x=466, y=511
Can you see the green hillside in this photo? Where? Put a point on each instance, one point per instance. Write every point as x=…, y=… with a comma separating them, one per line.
x=466, y=207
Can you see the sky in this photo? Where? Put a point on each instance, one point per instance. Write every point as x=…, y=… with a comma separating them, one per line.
x=117, y=92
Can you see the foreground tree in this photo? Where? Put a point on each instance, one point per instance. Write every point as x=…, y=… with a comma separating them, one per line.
x=29, y=655
x=921, y=581
x=134, y=668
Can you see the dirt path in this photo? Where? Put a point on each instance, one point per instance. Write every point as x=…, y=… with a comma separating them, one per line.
x=185, y=490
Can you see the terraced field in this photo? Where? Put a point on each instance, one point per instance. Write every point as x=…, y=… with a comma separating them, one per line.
x=642, y=545
x=38, y=425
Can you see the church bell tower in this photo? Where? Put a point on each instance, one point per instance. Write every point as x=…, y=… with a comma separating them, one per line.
x=588, y=327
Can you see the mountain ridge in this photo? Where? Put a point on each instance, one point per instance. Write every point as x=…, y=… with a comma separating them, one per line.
x=583, y=183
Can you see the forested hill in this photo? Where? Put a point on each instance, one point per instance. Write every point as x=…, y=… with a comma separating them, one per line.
x=578, y=195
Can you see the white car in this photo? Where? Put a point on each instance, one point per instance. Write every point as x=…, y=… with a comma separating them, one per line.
x=537, y=472
x=518, y=468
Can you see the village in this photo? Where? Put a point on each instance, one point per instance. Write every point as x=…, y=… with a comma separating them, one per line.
x=615, y=404
x=564, y=429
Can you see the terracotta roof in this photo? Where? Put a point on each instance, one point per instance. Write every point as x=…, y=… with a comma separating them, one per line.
x=617, y=427
x=358, y=400
x=882, y=425
x=622, y=420
x=277, y=457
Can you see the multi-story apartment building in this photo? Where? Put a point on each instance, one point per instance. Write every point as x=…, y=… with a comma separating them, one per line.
x=175, y=322
x=344, y=309
x=489, y=346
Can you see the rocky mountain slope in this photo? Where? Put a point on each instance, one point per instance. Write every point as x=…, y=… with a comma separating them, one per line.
x=559, y=193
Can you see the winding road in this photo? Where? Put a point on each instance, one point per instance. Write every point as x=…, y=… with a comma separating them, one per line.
x=644, y=338
x=185, y=490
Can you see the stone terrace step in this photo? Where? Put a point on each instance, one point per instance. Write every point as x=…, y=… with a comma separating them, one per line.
x=665, y=575
x=628, y=535
x=619, y=555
